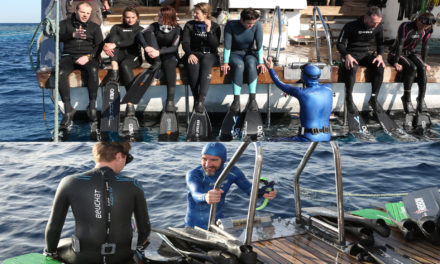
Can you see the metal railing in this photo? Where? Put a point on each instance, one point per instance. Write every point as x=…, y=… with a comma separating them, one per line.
x=254, y=192
x=327, y=36
x=339, y=191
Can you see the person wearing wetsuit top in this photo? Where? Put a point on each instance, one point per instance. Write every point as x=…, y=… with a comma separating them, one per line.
x=122, y=47
x=243, y=52
x=316, y=101
x=405, y=59
x=200, y=182
x=160, y=42
x=353, y=44
x=201, y=38
x=82, y=40
x=103, y=203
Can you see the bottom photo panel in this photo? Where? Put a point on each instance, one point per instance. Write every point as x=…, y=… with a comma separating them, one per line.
x=212, y=202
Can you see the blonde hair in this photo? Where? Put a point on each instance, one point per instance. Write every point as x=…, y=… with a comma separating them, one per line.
x=205, y=8
x=106, y=151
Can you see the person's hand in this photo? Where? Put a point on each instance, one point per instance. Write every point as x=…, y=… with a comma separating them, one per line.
x=154, y=53
x=79, y=33
x=427, y=67
x=213, y=196
x=105, y=6
x=262, y=68
x=270, y=195
x=149, y=49
x=208, y=25
x=379, y=60
x=398, y=67
x=192, y=59
x=268, y=62
x=82, y=60
x=109, y=49
x=225, y=68
x=350, y=61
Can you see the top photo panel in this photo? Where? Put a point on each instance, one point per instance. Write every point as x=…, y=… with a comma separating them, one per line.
x=223, y=70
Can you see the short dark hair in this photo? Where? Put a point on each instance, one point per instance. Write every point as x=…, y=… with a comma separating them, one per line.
x=249, y=14
x=374, y=10
x=83, y=3
x=106, y=151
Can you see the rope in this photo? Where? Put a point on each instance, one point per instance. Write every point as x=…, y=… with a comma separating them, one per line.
x=308, y=190
x=48, y=31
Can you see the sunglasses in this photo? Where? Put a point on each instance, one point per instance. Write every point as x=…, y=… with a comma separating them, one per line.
x=427, y=20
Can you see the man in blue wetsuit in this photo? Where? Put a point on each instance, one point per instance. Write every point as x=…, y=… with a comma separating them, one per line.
x=200, y=182
x=316, y=101
x=243, y=52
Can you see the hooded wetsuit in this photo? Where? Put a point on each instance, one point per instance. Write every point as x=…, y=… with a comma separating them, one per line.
x=403, y=52
x=243, y=50
x=86, y=194
x=167, y=43
x=75, y=48
x=202, y=44
x=127, y=52
x=355, y=40
x=198, y=184
x=316, y=101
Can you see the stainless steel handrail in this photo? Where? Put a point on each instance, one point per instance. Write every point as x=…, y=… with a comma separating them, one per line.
x=338, y=182
x=254, y=191
x=327, y=36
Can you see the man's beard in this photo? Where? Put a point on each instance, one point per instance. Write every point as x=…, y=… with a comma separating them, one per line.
x=208, y=173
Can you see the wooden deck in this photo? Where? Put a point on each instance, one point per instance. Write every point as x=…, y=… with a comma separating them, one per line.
x=309, y=249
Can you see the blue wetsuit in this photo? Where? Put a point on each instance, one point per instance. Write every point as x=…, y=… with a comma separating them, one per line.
x=316, y=101
x=243, y=50
x=198, y=184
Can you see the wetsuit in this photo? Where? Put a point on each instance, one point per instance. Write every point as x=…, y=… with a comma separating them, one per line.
x=167, y=43
x=86, y=194
x=316, y=101
x=75, y=48
x=198, y=184
x=243, y=50
x=403, y=52
x=355, y=40
x=196, y=41
x=127, y=52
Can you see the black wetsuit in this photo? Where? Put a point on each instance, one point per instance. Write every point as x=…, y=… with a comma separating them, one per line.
x=127, y=52
x=75, y=48
x=202, y=44
x=167, y=44
x=86, y=194
x=355, y=40
x=403, y=52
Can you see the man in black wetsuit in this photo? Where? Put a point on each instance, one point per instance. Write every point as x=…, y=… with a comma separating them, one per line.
x=82, y=40
x=102, y=203
x=353, y=44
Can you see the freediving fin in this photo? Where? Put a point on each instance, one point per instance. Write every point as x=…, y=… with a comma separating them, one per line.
x=355, y=121
x=399, y=216
x=422, y=120
x=168, y=128
x=139, y=86
x=95, y=132
x=408, y=124
x=378, y=254
x=130, y=128
x=252, y=125
x=199, y=128
x=383, y=118
x=31, y=258
x=110, y=107
x=228, y=125
x=373, y=214
x=423, y=206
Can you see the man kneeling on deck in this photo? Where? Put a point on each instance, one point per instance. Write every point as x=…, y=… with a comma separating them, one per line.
x=316, y=101
x=82, y=40
x=102, y=203
x=201, y=180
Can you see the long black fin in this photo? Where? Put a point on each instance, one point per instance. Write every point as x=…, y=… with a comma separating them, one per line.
x=139, y=86
x=169, y=127
x=110, y=108
x=131, y=129
x=228, y=125
x=379, y=254
x=199, y=128
x=355, y=121
x=252, y=125
x=384, y=119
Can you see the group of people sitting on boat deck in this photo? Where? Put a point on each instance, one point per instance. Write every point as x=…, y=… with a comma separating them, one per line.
x=104, y=202
x=243, y=54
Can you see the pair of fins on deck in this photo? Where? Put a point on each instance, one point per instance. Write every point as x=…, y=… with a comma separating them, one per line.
x=168, y=129
x=356, y=123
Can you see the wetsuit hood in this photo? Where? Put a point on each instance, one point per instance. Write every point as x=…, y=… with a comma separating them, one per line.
x=216, y=149
x=310, y=74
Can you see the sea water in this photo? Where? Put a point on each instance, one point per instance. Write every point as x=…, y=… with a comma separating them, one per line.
x=31, y=172
x=27, y=112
